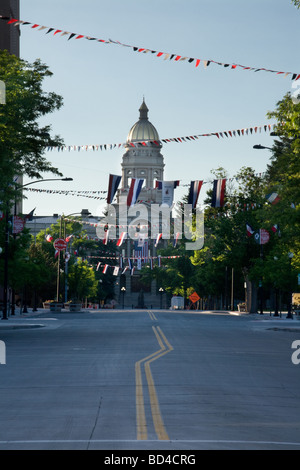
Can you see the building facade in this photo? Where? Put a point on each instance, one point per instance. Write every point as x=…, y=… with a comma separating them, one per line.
x=10, y=35
x=145, y=162
x=10, y=41
x=138, y=161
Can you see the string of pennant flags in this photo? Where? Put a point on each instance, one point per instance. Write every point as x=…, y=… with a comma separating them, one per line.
x=54, y=32
x=131, y=266
x=114, y=181
x=149, y=143
x=87, y=194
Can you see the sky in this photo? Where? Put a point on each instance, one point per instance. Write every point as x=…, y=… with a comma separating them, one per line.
x=103, y=85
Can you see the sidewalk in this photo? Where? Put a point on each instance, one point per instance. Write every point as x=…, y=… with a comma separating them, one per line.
x=24, y=320
x=280, y=323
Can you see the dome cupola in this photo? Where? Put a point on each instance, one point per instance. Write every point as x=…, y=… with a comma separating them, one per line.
x=143, y=129
x=143, y=161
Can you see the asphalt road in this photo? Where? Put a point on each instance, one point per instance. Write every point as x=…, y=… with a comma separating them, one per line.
x=149, y=380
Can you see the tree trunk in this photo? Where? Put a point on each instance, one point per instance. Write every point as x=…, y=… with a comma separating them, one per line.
x=251, y=306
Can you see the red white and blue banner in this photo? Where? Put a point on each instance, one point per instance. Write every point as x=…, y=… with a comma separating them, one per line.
x=158, y=238
x=194, y=192
x=113, y=184
x=105, y=268
x=121, y=239
x=273, y=198
x=141, y=249
x=134, y=191
x=176, y=236
x=105, y=239
x=249, y=229
x=218, y=196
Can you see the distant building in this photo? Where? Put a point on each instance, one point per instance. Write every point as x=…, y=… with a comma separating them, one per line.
x=10, y=35
x=39, y=223
x=145, y=162
x=10, y=41
x=139, y=161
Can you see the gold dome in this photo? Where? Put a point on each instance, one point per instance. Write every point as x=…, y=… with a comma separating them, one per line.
x=143, y=129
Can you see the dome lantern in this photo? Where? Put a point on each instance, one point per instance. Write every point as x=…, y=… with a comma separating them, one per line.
x=143, y=129
x=143, y=161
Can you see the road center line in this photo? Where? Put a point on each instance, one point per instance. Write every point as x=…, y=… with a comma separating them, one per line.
x=151, y=315
x=159, y=427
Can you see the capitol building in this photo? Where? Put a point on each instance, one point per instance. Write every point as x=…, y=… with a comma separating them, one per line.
x=145, y=162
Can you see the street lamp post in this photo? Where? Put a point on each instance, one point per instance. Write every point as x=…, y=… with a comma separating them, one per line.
x=123, y=290
x=6, y=243
x=276, y=314
x=161, y=291
x=5, y=283
x=66, y=261
x=289, y=314
x=261, y=147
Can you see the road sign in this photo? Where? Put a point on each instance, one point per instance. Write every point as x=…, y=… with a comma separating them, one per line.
x=18, y=224
x=194, y=297
x=60, y=244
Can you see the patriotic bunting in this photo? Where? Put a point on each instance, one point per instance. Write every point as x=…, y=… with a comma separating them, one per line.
x=106, y=235
x=134, y=191
x=105, y=269
x=121, y=239
x=150, y=143
x=159, y=54
x=113, y=185
x=194, y=193
x=272, y=198
x=158, y=238
x=218, y=193
x=88, y=194
x=249, y=229
x=175, y=239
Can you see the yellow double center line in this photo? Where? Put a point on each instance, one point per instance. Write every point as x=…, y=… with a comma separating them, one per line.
x=142, y=433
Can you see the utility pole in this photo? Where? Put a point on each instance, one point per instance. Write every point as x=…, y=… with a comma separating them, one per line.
x=232, y=281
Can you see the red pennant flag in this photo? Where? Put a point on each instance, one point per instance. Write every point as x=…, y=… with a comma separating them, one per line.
x=120, y=241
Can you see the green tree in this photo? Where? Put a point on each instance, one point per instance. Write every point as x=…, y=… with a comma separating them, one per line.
x=80, y=247
x=22, y=138
x=82, y=281
x=226, y=245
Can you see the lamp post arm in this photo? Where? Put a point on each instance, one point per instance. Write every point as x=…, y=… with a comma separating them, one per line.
x=48, y=179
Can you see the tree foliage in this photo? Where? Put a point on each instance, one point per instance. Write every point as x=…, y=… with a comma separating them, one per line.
x=22, y=138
